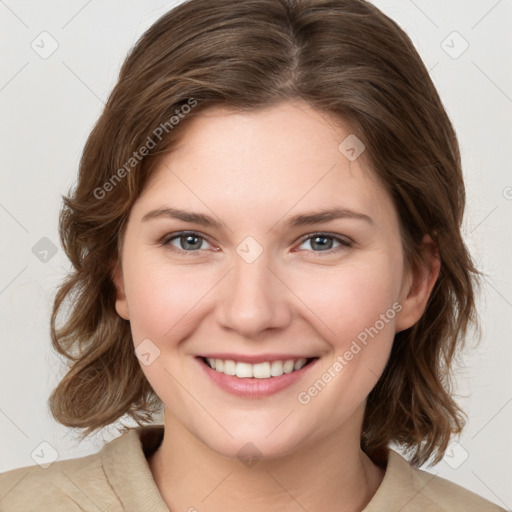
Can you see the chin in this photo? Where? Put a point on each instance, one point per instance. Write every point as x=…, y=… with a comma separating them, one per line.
x=251, y=450
x=252, y=444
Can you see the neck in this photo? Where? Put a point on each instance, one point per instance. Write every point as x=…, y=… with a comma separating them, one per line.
x=334, y=474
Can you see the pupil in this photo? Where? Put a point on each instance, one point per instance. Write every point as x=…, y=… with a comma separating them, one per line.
x=190, y=237
x=320, y=238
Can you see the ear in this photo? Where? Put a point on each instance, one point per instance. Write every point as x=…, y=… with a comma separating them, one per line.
x=121, y=302
x=417, y=286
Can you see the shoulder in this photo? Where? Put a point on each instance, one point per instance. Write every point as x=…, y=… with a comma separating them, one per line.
x=449, y=495
x=65, y=485
x=416, y=490
x=117, y=478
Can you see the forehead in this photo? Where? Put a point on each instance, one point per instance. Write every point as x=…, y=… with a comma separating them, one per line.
x=283, y=158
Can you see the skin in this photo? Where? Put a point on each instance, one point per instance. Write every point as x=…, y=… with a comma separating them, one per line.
x=252, y=171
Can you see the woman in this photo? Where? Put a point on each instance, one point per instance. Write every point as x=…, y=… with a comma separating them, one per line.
x=266, y=240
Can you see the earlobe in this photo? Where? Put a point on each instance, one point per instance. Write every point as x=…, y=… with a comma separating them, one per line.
x=121, y=302
x=418, y=287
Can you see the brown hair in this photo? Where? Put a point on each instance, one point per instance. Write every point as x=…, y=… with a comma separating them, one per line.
x=343, y=57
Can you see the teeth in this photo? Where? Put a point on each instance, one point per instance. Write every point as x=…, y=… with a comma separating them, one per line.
x=299, y=364
x=258, y=371
x=276, y=368
x=288, y=366
x=229, y=367
x=243, y=370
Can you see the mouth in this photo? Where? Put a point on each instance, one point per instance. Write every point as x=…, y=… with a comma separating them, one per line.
x=256, y=380
x=261, y=370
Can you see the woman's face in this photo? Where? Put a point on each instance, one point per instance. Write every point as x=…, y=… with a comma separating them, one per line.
x=253, y=282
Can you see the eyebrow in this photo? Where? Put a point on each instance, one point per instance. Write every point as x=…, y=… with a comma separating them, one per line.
x=302, y=219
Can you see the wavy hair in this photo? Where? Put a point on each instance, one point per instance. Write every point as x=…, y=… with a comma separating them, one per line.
x=343, y=57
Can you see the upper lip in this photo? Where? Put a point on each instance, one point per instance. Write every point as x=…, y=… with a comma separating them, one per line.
x=254, y=359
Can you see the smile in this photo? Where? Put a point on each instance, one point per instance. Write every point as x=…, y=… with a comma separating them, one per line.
x=256, y=380
x=264, y=370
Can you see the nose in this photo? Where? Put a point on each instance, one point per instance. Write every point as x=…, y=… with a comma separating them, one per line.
x=254, y=298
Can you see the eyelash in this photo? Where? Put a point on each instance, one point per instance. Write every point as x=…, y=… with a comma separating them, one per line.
x=344, y=243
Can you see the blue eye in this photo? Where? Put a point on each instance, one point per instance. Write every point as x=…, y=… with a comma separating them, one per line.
x=186, y=240
x=191, y=242
x=324, y=241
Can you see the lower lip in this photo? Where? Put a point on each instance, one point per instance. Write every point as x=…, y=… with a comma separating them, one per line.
x=255, y=388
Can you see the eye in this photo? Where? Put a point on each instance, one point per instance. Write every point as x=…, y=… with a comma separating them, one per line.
x=187, y=241
x=190, y=241
x=324, y=241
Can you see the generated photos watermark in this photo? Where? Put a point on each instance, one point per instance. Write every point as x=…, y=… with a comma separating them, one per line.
x=304, y=397
x=137, y=156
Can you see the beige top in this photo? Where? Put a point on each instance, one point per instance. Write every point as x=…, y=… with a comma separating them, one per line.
x=118, y=478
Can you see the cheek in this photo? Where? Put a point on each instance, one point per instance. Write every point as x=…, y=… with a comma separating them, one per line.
x=161, y=298
x=354, y=309
x=346, y=300
x=342, y=302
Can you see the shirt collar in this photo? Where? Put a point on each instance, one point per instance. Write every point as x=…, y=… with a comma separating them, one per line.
x=127, y=469
x=125, y=463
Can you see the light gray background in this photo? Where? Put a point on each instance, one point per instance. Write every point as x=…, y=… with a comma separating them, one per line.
x=49, y=106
